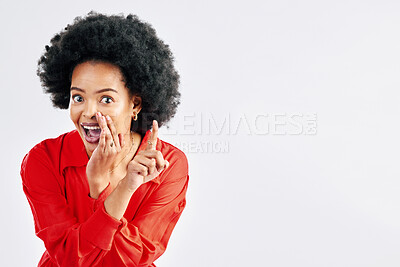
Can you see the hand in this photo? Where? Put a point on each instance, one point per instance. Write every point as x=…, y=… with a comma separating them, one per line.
x=110, y=144
x=147, y=164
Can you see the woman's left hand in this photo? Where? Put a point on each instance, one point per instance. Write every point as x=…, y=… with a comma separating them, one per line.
x=147, y=164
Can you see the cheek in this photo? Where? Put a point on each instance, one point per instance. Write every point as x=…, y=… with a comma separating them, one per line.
x=120, y=115
x=73, y=115
x=121, y=122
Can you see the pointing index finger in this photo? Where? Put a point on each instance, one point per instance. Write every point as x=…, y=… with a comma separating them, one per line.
x=152, y=142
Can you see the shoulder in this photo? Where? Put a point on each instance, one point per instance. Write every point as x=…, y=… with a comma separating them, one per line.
x=178, y=162
x=47, y=146
x=174, y=155
x=44, y=157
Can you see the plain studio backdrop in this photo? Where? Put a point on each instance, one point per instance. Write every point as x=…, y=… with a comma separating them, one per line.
x=289, y=119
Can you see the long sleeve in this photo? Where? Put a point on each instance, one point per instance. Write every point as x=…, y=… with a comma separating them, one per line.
x=101, y=239
x=68, y=241
x=144, y=239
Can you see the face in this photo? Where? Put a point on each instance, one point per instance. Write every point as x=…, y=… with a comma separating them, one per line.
x=99, y=87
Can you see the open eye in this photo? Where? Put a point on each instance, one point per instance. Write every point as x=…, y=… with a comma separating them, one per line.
x=77, y=98
x=106, y=100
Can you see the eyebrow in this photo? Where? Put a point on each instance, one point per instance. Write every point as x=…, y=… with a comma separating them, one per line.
x=97, y=92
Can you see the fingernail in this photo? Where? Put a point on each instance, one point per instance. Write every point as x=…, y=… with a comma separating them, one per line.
x=108, y=117
x=165, y=166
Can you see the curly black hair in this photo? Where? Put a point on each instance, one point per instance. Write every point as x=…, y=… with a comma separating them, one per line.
x=145, y=61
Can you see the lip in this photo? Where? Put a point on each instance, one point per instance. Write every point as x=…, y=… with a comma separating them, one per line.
x=89, y=124
x=92, y=140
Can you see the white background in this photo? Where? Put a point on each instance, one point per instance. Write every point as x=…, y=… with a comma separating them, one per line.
x=275, y=199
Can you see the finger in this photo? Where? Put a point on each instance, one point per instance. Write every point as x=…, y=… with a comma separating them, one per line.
x=148, y=162
x=166, y=164
x=151, y=176
x=152, y=142
x=141, y=170
x=154, y=154
x=155, y=173
x=102, y=140
x=109, y=143
x=121, y=140
x=113, y=132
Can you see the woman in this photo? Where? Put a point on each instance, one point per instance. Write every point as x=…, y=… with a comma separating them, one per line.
x=108, y=193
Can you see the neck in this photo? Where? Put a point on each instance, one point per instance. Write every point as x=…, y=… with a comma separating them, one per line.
x=132, y=142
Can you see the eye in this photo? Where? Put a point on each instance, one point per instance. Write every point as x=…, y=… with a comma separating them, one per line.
x=106, y=100
x=77, y=98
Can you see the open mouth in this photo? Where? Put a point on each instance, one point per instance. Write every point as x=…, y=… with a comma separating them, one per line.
x=92, y=133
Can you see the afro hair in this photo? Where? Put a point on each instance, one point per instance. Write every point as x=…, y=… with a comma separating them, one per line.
x=145, y=61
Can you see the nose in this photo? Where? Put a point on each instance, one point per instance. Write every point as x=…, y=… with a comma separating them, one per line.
x=90, y=110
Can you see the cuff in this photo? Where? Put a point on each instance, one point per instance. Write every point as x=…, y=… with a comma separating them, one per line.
x=103, y=195
x=100, y=228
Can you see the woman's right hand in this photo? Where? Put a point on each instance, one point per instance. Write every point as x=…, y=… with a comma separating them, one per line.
x=98, y=167
x=147, y=164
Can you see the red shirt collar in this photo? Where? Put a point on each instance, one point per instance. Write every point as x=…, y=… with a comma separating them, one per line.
x=73, y=151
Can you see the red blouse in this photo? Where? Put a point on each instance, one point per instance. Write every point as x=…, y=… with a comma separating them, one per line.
x=76, y=229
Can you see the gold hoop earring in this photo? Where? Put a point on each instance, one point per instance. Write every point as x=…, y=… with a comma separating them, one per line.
x=135, y=116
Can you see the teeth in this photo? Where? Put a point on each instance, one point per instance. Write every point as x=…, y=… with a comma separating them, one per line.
x=91, y=127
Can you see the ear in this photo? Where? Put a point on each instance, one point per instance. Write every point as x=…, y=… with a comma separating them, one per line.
x=136, y=104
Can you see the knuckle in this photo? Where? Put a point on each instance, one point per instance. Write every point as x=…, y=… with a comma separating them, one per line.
x=132, y=164
x=138, y=158
x=142, y=168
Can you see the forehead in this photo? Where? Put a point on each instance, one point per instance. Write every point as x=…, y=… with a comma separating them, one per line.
x=96, y=75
